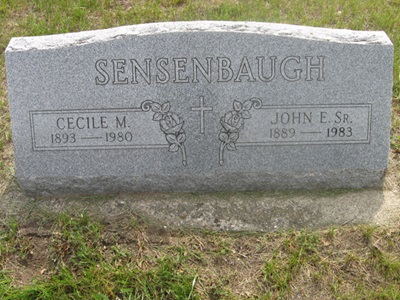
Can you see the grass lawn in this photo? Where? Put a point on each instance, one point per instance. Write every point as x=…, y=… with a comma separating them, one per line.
x=76, y=256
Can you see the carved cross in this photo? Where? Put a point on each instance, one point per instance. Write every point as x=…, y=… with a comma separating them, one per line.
x=202, y=109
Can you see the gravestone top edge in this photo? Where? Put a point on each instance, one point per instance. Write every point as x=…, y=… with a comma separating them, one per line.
x=274, y=29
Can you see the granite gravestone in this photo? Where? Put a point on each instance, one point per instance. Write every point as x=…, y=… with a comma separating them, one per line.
x=200, y=106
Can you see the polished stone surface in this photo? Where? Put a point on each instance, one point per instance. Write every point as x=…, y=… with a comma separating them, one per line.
x=200, y=106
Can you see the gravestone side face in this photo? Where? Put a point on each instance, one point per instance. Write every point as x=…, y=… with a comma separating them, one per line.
x=200, y=106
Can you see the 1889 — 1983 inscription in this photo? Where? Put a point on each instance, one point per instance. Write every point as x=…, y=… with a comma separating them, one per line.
x=199, y=106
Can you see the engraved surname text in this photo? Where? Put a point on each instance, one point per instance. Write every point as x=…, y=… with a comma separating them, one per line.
x=162, y=70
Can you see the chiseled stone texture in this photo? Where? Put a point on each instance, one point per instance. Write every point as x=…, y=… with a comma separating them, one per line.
x=200, y=106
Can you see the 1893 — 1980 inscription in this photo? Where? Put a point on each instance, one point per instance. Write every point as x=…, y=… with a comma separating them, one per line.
x=200, y=106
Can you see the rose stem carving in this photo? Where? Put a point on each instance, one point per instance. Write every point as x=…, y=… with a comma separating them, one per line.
x=170, y=124
x=233, y=122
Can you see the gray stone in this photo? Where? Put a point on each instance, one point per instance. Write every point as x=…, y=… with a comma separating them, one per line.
x=200, y=106
x=233, y=211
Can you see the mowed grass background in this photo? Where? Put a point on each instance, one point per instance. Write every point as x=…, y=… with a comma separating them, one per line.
x=74, y=256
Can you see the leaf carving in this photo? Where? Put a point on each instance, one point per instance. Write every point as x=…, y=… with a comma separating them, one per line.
x=171, y=138
x=165, y=107
x=231, y=146
x=234, y=136
x=181, y=137
x=173, y=147
x=247, y=105
x=223, y=137
x=157, y=116
x=156, y=107
x=246, y=114
x=237, y=105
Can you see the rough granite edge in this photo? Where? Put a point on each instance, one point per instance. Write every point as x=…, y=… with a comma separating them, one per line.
x=254, y=211
x=274, y=29
x=234, y=182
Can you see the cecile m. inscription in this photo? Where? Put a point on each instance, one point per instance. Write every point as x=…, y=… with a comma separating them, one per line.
x=109, y=129
x=93, y=129
x=120, y=71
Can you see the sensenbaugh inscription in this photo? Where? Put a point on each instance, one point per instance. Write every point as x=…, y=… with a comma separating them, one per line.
x=209, y=69
x=200, y=106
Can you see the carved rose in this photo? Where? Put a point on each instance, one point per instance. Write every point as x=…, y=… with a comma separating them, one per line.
x=171, y=123
x=232, y=121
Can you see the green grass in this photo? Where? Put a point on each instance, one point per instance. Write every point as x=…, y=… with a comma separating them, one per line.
x=81, y=258
x=298, y=249
x=83, y=267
